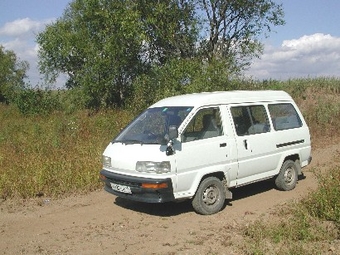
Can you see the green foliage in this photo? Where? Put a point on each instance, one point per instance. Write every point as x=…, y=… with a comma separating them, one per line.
x=169, y=28
x=174, y=78
x=12, y=74
x=325, y=202
x=37, y=101
x=103, y=45
x=181, y=76
x=73, y=100
x=109, y=48
x=233, y=27
x=95, y=43
x=326, y=112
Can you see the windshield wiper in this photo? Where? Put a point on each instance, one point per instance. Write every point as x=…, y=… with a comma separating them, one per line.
x=131, y=141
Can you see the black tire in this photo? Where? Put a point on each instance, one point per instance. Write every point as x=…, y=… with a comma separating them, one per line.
x=287, y=177
x=209, y=197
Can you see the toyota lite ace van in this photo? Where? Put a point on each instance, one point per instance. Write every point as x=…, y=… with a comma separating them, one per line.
x=200, y=146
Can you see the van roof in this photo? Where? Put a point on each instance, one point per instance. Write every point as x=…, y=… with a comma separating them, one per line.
x=224, y=97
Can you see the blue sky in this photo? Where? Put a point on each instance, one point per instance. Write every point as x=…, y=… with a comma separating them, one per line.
x=307, y=46
x=307, y=17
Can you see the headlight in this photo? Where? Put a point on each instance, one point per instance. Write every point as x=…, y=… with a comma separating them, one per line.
x=153, y=167
x=106, y=161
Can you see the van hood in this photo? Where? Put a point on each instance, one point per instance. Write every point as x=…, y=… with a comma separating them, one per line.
x=125, y=156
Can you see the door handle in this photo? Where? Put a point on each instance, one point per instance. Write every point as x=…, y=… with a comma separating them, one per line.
x=223, y=144
x=245, y=144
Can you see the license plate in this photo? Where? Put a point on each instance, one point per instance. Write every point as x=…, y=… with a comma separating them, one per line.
x=121, y=188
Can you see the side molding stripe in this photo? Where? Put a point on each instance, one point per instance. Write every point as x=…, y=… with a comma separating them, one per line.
x=289, y=143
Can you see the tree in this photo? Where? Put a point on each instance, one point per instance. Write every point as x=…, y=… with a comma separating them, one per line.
x=232, y=27
x=12, y=74
x=109, y=48
x=102, y=45
x=170, y=29
x=96, y=44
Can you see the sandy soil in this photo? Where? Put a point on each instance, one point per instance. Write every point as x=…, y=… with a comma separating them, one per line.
x=99, y=222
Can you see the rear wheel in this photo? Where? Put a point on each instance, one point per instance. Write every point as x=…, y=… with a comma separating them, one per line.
x=288, y=176
x=209, y=197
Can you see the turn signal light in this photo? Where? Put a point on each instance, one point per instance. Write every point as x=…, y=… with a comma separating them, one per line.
x=102, y=177
x=162, y=185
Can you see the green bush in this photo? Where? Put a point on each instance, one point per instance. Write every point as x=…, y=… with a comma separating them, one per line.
x=324, y=203
x=37, y=101
x=182, y=77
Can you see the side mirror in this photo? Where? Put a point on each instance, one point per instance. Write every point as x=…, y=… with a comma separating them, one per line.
x=172, y=134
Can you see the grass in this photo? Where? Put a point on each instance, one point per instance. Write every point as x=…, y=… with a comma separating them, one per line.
x=309, y=226
x=59, y=154
x=324, y=203
x=312, y=225
x=53, y=155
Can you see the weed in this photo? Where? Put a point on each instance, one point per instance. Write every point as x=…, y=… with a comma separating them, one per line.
x=304, y=227
x=325, y=202
x=60, y=152
x=55, y=154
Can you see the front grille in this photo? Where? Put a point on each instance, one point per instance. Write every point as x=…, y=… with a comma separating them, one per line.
x=126, y=183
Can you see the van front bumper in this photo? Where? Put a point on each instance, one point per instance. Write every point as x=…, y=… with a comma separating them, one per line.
x=137, y=188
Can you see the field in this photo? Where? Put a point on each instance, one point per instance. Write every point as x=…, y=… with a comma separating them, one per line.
x=49, y=186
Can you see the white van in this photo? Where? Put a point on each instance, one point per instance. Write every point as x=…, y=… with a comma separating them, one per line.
x=199, y=146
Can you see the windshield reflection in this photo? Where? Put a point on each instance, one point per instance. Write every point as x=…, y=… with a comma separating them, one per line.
x=152, y=125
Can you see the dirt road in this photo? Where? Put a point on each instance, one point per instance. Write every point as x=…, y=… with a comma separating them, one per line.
x=99, y=223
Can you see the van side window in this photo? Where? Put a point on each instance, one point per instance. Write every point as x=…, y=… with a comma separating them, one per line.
x=205, y=124
x=250, y=119
x=284, y=116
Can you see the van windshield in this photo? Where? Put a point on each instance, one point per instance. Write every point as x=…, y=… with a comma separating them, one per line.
x=152, y=125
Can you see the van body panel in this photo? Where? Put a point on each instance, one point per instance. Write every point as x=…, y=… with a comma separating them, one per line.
x=223, y=98
x=209, y=155
x=253, y=151
x=125, y=156
x=251, y=134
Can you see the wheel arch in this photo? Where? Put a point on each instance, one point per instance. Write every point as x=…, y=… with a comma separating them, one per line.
x=296, y=159
x=222, y=177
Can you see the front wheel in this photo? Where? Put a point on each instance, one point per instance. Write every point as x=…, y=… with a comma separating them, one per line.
x=209, y=197
x=287, y=177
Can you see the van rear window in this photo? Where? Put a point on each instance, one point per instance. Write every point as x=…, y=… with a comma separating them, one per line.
x=284, y=116
x=249, y=120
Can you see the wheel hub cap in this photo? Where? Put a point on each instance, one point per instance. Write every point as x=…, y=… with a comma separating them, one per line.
x=289, y=175
x=210, y=195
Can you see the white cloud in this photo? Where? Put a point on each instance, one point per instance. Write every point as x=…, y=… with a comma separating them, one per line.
x=19, y=36
x=308, y=56
x=21, y=27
